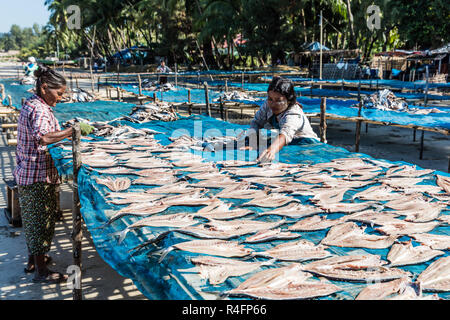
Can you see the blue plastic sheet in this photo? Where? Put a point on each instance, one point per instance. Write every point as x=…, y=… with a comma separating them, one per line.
x=184, y=283
x=16, y=91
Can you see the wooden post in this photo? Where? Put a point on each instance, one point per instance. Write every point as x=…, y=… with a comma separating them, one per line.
x=140, y=84
x=176, y=75
x=358, y=129
x=98, y=84
x=323, y=120
x=208, y=107
x=226, y=85
x=426, y=86
x=242, y=79
x=154, y=96
x=118, y=94
x=76, y=81
x=77, y=234
x=221, y=108
x=359, y=87
x=421, y=145
x=414, y=135
x=189, y=95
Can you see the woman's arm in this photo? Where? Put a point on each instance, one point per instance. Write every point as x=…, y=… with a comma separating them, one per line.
x=270, y=153
x=54, y=137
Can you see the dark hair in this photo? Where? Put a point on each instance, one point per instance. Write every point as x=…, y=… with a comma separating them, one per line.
x=53, y=79
x=285, y=87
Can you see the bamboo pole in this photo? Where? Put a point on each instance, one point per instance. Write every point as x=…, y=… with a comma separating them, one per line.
x=189, y=95
x=323, y=120
x=140, y=84
x=77, y=233
x=421, y=145
x=208, y=107
x=358, y=129
x=426, y=86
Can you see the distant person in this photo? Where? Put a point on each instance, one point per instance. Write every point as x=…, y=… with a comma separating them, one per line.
x=35, y=172
x=281, y=111
x=163, y=69
x=95, y=67
x=31, y=67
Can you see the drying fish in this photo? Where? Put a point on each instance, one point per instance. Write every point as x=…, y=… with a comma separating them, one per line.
x=207, y=175
x=403, y=254
x=178, y=220
x=360, y=176
x=354, y=262
x=219, y=210
x=314, y=223
x=437, y=276
x=118, y=146
x=156, y=181
x=361, y=271
x=283, y=283
x=241, y=191
x=98, y=162
x=400, y=182
x=153, y=172
x=372, y=217
x=301, y=250
x=242, y=227
x=316, y=178
x=179, y=188
x=347, y=207
x=257, y=172
x=416, y=209
x=219, y=248
x=128, y=156
x=218, y=270
x=117, y=170
x=293, y=210
x=193, y=199
x=188, y=163
x=216, y=183
x=342, y=183
x=329, y=195
x=132, y=197
x=443, y=182
x=350, y=235
x=119, y=184
x=147, y=164
x=380, y=291
x=236, y=163
x=421, y=188
x=434, y=241
x=271, y=182
x=139, y=209
x=296, y=188
x=407, y=171
x=270, y=201
x=405, y=228
x=269, y=235
x=380, y=193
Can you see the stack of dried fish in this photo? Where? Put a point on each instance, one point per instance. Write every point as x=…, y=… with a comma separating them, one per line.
x=154, y=111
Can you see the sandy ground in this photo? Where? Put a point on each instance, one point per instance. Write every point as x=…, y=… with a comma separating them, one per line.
x=99, y=280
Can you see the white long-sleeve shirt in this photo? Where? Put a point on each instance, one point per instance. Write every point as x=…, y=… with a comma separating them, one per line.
x=292, y=122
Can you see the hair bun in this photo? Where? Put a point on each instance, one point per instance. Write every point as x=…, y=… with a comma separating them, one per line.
x=41, y=70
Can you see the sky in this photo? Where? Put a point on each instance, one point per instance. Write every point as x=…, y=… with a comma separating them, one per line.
x=23, y=13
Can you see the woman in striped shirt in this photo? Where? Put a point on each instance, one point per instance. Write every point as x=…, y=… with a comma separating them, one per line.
x=35, y=172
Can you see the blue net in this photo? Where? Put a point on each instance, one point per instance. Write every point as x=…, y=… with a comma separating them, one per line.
x=184, y=282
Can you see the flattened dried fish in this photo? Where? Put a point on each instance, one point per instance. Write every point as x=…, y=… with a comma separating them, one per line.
x=329, y=195
x=380, y=291
x=400, y=182
x=405, y=228
x=117, y=170
x=178, y=220
x=207, y=175
x=194, y=199
x=216, y=183
x=153, y=172
x=236, y=163
x=362, y=272
x=148, y=164
x=380, y=193
x=293, y=210
x=119, y=184
x=221, y=211
x=179, y=187
x=241, y=191
x=435, y=241
x=350, y=235
x=99, y=162
x=273, y=200
x=257, y=172
x=283, y=283
x=346, y=207
x=301, y=250
x=218, y=270
x=132, y=197
x=372, y=217
x=269, y=235
x=314, y=223
x=156, y=180
x=437, y=276
x=403, y=254
x=139, y=209
x=219, y=248
x=443, y=182
x=316, y=178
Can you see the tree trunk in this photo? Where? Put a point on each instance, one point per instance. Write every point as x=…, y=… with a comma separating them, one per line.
x=352, y=43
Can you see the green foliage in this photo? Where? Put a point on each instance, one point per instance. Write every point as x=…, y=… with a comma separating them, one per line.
x=188, y=31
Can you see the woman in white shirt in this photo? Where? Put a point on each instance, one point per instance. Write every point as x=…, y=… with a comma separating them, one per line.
x=281, y=111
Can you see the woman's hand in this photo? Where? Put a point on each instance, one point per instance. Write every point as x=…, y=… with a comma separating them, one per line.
x=268, y=155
